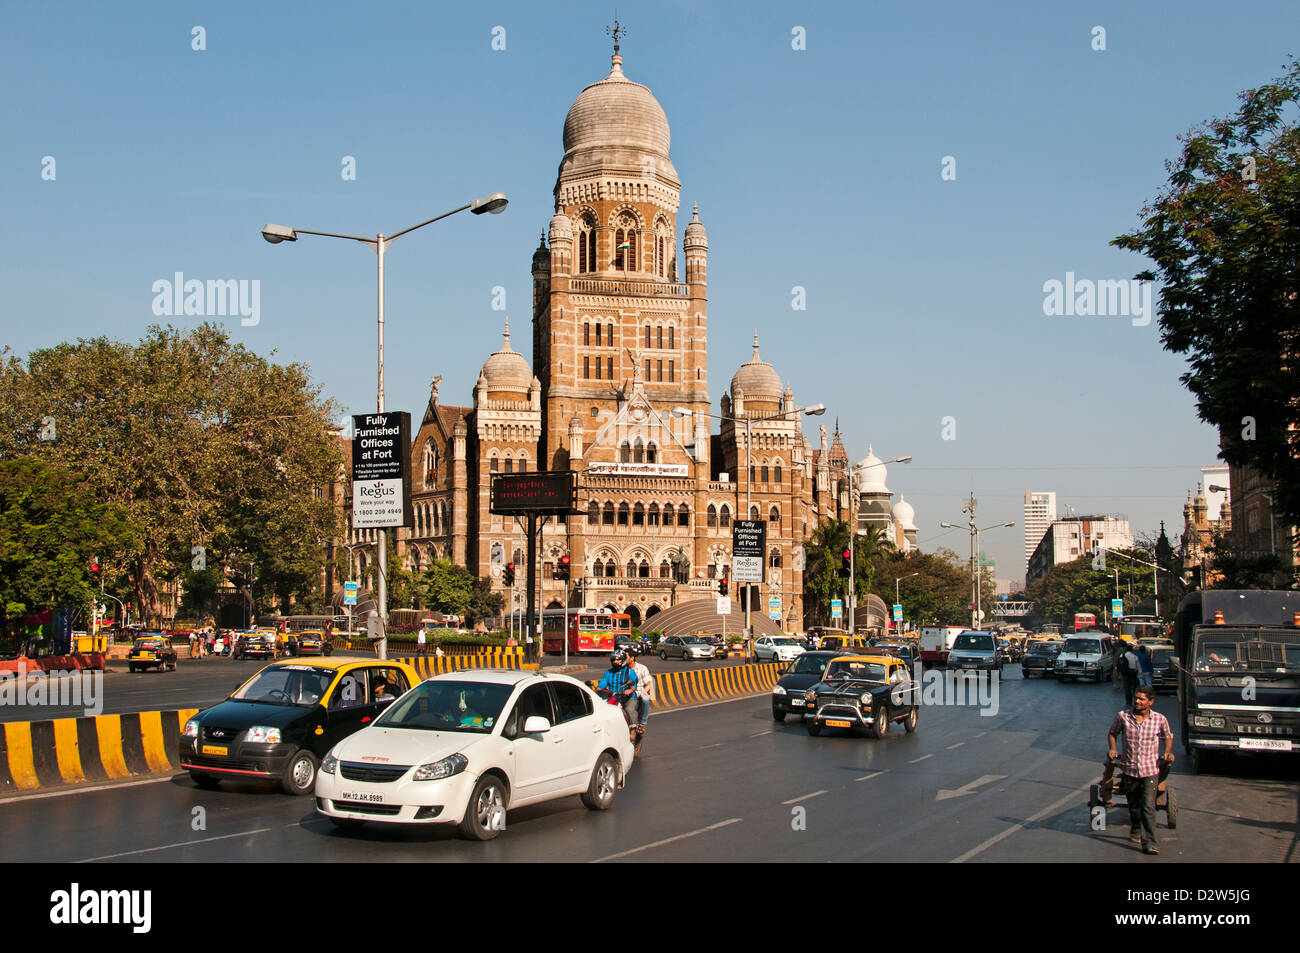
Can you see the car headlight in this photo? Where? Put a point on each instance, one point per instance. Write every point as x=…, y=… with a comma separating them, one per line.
x=778, y=690
x=330, y=764
x=437, y=770
x=864, y=703
x=810, y=695
x=262, y=735
x=191, y=728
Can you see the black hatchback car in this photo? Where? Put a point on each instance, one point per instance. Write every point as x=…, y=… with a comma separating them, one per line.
x=806, y=670
x=1040, y=659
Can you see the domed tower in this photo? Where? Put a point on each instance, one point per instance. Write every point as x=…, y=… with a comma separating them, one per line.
x=612, y=302
x=905, y=521
x=873, y=494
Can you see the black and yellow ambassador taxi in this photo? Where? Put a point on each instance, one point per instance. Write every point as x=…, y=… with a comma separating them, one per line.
x=280, y=723
x=863, y=692
x=151, y=651
x=310, y=642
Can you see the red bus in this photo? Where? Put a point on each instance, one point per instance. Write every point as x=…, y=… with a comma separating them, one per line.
x=591, y=631
x=1084, y=621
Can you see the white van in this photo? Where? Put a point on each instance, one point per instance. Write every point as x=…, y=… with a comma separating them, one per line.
x=1086, y=655
x=936, y=642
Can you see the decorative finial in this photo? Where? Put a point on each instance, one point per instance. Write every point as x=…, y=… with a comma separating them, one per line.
x=695, y=214
x=616, y=31
x=755, y=344
x=507, y=344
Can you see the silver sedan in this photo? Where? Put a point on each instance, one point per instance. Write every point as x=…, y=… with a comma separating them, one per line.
x=685, y=647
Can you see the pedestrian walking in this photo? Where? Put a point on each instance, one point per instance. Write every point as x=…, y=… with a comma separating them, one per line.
x=1143, y=730
x=1129, y=661
x=1146, y=667
x=419, y=641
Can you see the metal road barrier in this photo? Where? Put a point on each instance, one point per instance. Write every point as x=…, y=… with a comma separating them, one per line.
x=37, y=754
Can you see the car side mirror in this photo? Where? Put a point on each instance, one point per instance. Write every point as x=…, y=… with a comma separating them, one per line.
x=536, y=725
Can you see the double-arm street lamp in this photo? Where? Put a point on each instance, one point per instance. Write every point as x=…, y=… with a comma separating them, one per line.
x=494, y=203
x=816, y=410
x=977, y=609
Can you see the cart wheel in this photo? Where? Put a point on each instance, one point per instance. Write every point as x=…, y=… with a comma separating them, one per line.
x=1094, y=795
x=1171, y=810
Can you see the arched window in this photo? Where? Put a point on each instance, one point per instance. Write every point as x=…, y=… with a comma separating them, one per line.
x=671, y=343
x=593, y=513
x=653, y=515
x=683, y=516
x=778, y=473
x=650, y=453
x=762, y=477
x=587, y=244
x=774, y=558
x=712, y=516
x=659, y=336
x=510, y=465
x=665, y=570
x=607, y=515
x=638, y=515
x=774, y=516
x=753, y=513
x=724, y=517
x=625, y=453
x=442, y=519
x=643, y=570
x=493, y=465
x=523, y=463
x=631, y=569
x=586, y=335
x=638, y=451
x=625, y=243
x=647, y=335
x=622, y=514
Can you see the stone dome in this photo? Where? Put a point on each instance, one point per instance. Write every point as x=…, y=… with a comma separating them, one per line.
x=507, y=369
x=903, y=514
x=757, y=379
x=616, y=112
x=561, y=229
x=871, y=473
x=696, y=236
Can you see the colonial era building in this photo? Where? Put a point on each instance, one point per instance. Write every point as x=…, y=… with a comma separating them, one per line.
x=618, y=390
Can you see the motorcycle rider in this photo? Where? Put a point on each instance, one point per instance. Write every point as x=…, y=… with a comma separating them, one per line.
x=621, y=682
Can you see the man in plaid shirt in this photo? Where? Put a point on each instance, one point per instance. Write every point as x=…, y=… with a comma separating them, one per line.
x=1143, y=729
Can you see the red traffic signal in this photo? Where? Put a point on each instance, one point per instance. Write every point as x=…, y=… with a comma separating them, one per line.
x=562, y=568
x=509, y=574
x=846, y=563
x=722, y=586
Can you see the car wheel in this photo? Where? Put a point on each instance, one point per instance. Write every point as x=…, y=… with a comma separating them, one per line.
x=489, y=795
x=814, y=729
x=205, y=780
x=599, y=795
x=300, y=773
x=879, y=722
x=910, y=722
x=778, y=715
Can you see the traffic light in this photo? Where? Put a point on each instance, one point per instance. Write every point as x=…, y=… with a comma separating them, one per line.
x=846, y=564
x=509, y=575
x=722, y=586
x=94, y=567
x=562, y=568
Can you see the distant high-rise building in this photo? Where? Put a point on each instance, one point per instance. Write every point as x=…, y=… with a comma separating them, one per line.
x=1040, y=511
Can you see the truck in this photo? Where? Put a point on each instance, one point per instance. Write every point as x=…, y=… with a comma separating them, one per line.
x=1238, y=657
x=936, y=642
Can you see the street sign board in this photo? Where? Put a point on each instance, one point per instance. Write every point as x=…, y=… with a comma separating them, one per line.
x=350, y=593
x=748, y=540
x=381, y=470
x=541, y=493
x=837, y=609
x=898, y=612
x=724, y=605
x=1117, y=608
x=774, y=608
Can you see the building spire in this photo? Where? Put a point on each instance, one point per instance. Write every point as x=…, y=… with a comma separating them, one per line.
x=616, y=31
x=755, y=344
x=506, y=346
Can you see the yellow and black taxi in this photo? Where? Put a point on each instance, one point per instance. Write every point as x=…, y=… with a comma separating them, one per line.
x=151, y=651
x=258, y=645
x=862, y=692
x=280, y=723
x=310, y=642
x=842, y=641
x=806, y=670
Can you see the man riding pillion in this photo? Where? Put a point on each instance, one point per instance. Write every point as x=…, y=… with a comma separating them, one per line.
x=645, y=692
x=621, y=682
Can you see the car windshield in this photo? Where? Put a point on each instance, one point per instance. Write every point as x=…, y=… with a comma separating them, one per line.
x=784, y=642
x=1247, y=652
x=809, y=665
x=301, y=685
x=971, y=641
x=449, y=706
x=852, y=668
x=148, y=643
x=1045, y=648
x=691, y=639
x=1082, y=646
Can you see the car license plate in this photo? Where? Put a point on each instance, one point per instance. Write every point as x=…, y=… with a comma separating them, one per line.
x=796, y=703
x=835, y=723
x=1264, y=744
x=214, y=749
x=364, y=796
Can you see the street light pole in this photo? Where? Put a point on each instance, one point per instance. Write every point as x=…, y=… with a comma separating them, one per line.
x=494, y=203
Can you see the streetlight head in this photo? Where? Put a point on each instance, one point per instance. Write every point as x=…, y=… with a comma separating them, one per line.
x=680, y=411
x=1008, y=524
x=906, y=459
x=1215, y=488
x=279, y=233
x=494, y=203
x=816, y=410
x=948, y=525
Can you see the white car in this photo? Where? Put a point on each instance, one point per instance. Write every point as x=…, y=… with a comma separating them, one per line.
x=465, y=747
x=777, y=648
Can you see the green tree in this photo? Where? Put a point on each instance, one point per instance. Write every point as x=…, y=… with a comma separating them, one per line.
x=1225, y=239
x=822, y=581
x=51, y=525
x=484, y=603
x=199, y=442
x=447, y=588
x=939, y=595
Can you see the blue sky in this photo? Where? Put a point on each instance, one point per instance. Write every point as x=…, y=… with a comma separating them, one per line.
x=817, y=168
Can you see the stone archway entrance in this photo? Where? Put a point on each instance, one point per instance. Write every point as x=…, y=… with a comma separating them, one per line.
x=635, y=614
x=652, y=611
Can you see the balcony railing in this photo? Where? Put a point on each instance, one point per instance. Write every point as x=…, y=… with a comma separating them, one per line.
x=647, y=289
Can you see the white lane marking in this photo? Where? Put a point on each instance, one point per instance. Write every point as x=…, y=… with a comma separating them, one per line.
x=957, y=745
x=203, y=840
x=762, y=733
x=969, y=788
x=796, y=800
x=922, y=758
x=668, y=840
x=981, y=734
x=88, y=789
x=717, y=745
x=1073, y=795
x=868, y=777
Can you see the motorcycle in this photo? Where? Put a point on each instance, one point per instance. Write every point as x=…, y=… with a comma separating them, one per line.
x=636, y=733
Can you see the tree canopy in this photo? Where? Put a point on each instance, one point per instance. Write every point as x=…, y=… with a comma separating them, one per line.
x=1225, y=239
